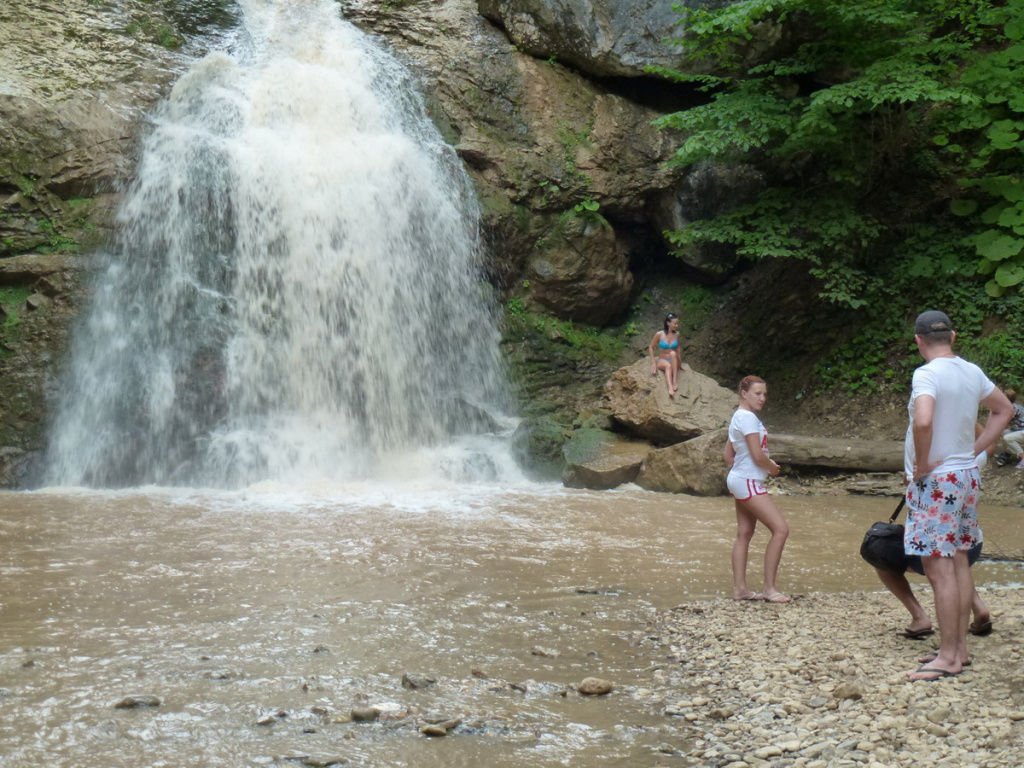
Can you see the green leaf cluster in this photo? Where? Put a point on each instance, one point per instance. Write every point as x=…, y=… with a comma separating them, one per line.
x=865, y=114
x=890, y=134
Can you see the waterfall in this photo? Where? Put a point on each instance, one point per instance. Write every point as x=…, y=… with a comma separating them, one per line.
x=295, y=290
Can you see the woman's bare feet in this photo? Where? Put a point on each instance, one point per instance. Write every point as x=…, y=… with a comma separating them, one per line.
x=741, y=596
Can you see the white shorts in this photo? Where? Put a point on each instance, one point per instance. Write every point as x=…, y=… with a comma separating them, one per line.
x=743, y=488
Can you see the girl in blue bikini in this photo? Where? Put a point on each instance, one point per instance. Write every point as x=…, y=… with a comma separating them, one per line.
x=666, y=359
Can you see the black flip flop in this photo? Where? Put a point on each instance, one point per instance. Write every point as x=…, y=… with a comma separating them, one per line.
x=939, y=674
x=980, y=630
x=916, y=634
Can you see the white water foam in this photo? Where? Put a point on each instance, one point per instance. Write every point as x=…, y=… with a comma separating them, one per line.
x=295, y=293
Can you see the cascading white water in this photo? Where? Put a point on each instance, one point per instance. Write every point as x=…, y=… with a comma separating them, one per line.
x=295, y=289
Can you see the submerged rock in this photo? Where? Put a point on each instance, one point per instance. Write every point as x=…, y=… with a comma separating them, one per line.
x=547, y=653
x=595, y=686
x=364, y=714
x=436, y=727
x=414, y=680
x=134, y=701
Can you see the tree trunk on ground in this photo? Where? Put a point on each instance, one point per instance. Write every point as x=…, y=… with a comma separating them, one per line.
x=855, y=455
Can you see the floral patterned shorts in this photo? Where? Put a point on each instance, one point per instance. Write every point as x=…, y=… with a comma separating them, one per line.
x=943, y=513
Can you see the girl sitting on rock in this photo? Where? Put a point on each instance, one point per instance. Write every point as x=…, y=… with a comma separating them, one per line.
x=664, y=351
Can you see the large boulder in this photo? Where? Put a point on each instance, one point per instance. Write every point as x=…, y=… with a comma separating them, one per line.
x=609, y=38
x=640, y=403
x=581, y=273
x=599, y=460
x=696, y=467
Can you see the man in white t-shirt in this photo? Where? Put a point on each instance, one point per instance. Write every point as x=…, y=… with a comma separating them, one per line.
x=944, y=479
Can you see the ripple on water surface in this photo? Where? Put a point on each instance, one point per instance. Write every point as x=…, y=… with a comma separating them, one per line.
x=294, y=607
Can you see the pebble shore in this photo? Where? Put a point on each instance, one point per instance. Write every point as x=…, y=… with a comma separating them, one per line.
x=821, y=683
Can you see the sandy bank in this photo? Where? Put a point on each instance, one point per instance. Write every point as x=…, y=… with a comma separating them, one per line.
x=821, y=682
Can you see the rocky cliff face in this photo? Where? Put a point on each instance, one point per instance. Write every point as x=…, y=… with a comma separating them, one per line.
x=68, y=121
x=568, y=170
x=546, y=102
x=612, y=38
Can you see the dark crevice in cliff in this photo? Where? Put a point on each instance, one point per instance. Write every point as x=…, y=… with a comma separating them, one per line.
x=655, y=93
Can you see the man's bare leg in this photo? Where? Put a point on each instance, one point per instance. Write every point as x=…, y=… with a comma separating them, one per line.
x=897, y=584
x=952, y=585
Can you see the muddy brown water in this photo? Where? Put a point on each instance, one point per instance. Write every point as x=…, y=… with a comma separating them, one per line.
x=234, y=607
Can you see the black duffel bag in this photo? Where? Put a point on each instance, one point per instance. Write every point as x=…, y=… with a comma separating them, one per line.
x=882, y=547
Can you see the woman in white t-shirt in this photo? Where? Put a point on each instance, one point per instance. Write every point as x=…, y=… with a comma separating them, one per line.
x=746, y=453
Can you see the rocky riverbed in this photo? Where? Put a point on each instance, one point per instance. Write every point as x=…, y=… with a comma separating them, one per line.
x=821, y=682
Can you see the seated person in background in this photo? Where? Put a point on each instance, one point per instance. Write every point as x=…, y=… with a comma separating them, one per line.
x=1014, y=434
x=664, y=352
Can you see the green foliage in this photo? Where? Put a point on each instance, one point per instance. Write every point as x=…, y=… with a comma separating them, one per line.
x=27, y=185
x=693, y=304
x=868, y=114
x=547, y=187
x=12, y=300
x=149, y=28
x=572, y=340
x=588, y=211
x=872, y=122
x=165, y=36
x=588, y=342
x=12, y=297
x=55, y=241
x=571, y=141
x=516, y=308
x=882, y=354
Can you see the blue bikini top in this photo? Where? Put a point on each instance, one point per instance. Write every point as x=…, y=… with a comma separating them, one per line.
x=673, y=345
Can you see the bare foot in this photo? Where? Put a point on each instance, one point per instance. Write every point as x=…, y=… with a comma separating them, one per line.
x=747, y=596
x=930, y=657
x=931, y=674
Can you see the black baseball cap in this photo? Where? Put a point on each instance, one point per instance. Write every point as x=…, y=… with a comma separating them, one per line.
x=932, y=321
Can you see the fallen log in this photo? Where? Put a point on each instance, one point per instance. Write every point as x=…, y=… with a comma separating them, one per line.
x=838, y=453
